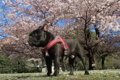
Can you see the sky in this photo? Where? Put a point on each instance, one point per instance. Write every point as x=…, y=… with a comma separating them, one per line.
x=65, y=22
x=4, y=19
x=5, y=10
x=3, y=35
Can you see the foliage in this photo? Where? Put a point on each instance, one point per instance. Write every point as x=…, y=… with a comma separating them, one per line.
x=5, y=64
x=11, y=66
x=111, y=62
x=17, y=65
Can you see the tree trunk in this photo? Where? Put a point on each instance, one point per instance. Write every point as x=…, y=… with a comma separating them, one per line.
x=91, y=61
x=103, y=62
x=90, y=64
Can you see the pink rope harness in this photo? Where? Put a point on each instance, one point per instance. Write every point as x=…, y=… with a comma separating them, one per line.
x=58, y=39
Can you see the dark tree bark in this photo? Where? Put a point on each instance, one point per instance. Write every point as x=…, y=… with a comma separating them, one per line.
x=103, y=62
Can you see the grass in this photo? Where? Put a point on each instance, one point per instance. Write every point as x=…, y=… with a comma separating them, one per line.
x=79, y=75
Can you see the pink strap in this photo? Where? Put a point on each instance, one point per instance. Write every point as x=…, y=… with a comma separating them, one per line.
x=55, y=41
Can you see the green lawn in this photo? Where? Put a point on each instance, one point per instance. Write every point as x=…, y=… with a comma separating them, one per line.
x=79, y=75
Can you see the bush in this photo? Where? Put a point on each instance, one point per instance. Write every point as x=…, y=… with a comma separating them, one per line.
x=16, y=65
x=19, y=66
x=10, y=66
x=5, y=64
x=112, y=62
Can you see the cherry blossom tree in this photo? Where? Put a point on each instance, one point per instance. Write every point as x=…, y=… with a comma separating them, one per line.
x=100, y=14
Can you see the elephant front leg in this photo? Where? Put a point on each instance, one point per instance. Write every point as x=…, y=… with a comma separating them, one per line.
x=49, y=65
